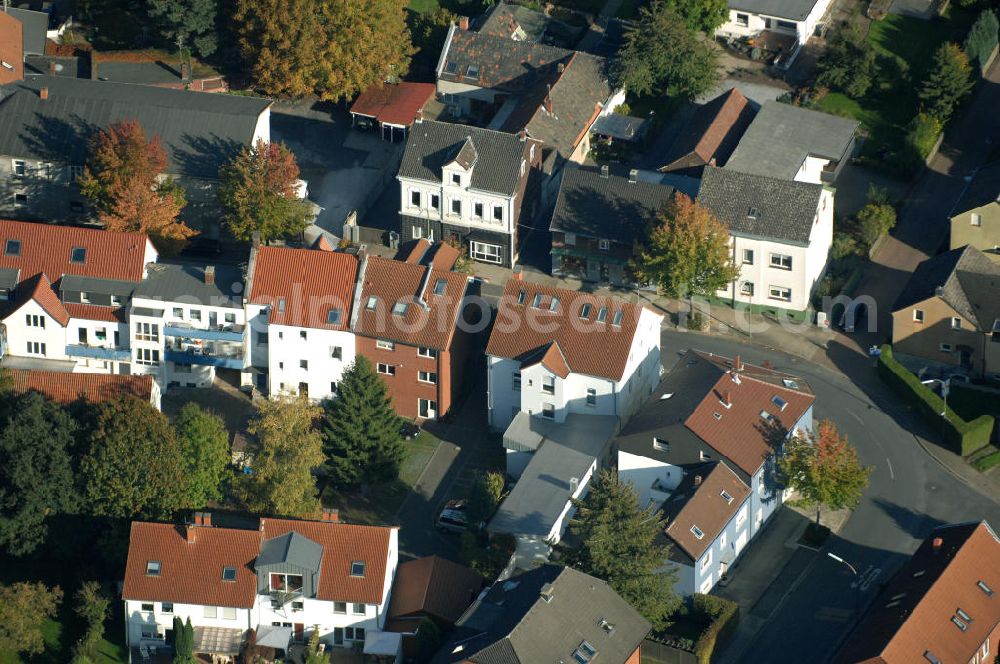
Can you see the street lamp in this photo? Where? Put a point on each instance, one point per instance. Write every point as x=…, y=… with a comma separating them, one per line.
x=857, y=581
x=945, y=389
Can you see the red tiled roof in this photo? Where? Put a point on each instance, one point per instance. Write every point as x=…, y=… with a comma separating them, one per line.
x=342, y=544
x=707, y=508
x=712, y=133
x=913, y=613
x=308, y=281
x=47, y=248
x=391, y=282
x=433, y=586
x=589, y=347
x=39, y=289
x=552, y=359
x=396, y=104
x=11, y=49
x=95, y=312
x=418, y=251
x=739, y=432
x=191, y=573
x=445, y=256
x=67, y=387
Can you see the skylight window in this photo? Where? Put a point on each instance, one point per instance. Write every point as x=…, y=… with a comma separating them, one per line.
x=333, y=316
x=959, y=623
x=439, y=286
x=779, y=402
x=399, y=309
x=358, y=568
x=78, y=255
x=451, y=67
x=696, y=531
x=554, y=304
x=766, y=416
x=472, y=71
x=281, y=305
x=602, y=314
x=536, y=301
x=616, y=320
x=13, y=248
x=228, y=573
x=753, y=213
x=727, y=497
x=585, y=311
x=963, y=615
x=790, y=384
x=152, y=568
x=985, y=588
x=372, y=301
x=584, y=653
x=521, y=297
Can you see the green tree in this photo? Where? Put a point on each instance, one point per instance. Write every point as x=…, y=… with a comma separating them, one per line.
x=982, y=38
x=187, y=23
x=285, y=449
x=204, y=444
x=922, y=135
x=313, y=655
x=848, y=63
x=121, y=180
x=24, y=609
x=133, y=465
x=361, y=430
x=949, y=81
x=92, y=608
x=687, y=251
x=701, y=15
x=428, y=639
x=662, y=56
x=485, y=497
x=875, y=220
x=330, y=48
x=258, y=192
x=618, y=543
x=183, y=642
x=823, y=468
x=36, y=471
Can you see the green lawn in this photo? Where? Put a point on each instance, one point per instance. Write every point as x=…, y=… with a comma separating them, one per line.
x=424, y=6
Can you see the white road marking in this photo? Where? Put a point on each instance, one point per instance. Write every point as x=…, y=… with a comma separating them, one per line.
x=855, y=415
x=889, y=465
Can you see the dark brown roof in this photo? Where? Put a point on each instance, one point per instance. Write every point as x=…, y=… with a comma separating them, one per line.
x=712, y=133
x=957, y=568
x=588, y=347
x=503, y=64
x=702, y=505
x=66, y=387
x=433, y=587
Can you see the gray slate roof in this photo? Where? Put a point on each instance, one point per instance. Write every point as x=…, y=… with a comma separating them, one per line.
x=172, y=281
x=566, y=451
x=796, y=10
x=503, y=64
x=430, y=145
x=512, y=624
x=621, y=127
x=70, y=67
x=610, y=207
x=8, y=278
x=200, y=131
x=291, y=549
x=984, y=189
x=143, y=73
x=34, y=26
x=785, y=209
x=965, y=278
x=76, y=283
x=781, y=136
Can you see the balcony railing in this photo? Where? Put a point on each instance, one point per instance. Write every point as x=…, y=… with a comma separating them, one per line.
x=187, y=350
x=99, y=352
x=229, y=332
x=226, y=362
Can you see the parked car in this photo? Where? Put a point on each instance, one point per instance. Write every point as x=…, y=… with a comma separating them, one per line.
x=452, y=518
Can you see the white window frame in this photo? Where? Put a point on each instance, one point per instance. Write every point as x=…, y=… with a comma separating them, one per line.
x=452, y=206
x=780, y=296
x=778, y=261
x=748, y=256
x=497, y=209
x=428, y=406
x=428, y=377
x=706, y=561
x=386, y=369
x=743, y=20
x=384, y=344
x=918, y=315
x=976, y=219
x=480, y=251
x=746, y=288
x=956, y=323
x=604, y=245
x=415, y=195
x=423, y=351
x=18, y=168
x=549, y=410
x=417, y=232
x=478, y=209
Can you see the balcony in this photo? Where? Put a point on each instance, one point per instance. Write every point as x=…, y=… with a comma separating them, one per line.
x=99, y=352
x=230, y=332
x=188, y=350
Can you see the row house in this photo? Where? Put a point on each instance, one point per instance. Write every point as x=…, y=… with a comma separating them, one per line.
x=469, y=187
x=703, y=450
x=975, y=219
x=285, y=579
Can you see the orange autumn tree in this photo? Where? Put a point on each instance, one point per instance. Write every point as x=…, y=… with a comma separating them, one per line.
x=824, y=469
x=121, y=181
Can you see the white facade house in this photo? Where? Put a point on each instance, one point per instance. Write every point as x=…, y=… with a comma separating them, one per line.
x=797, y=18
x=288, y=578
x=554, y=352
x=781, y=233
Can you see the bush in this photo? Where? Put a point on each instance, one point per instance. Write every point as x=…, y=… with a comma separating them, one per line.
x=923, y=134
x=982, y=38
x=874, y=221
x=984, y=463
x=724, y=615
x=963, y=437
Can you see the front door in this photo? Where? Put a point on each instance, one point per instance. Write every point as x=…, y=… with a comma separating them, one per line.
x=338, y=636
x=213, y=319
x=299, y=629
x=83, y=336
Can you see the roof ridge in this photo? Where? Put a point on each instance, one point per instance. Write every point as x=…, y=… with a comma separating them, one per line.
x=505, y=134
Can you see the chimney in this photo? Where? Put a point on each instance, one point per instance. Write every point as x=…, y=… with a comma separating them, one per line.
x=185, y=72
x=52, y=68
x=546, y=592
x=203, y=519
x=737, y=364
x=43, y=94
x=463, y=22
x=604, y=171
x=255, y=239
x=189, y=532
x=330, y=516
x=210, y=275
x=548, y=99
x=727, y=399
x=711, y=162
x=633, y=176
x=937, y=543
x=518, y=275
x=697, y=480
x=560, y=67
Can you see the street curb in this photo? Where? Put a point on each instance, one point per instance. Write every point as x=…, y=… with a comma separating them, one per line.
x=924, y=445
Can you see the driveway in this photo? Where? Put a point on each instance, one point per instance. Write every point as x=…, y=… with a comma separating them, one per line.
x=346, y=168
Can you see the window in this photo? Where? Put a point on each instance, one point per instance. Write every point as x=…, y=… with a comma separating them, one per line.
x=152, y=568
x=753, y=213
x=34, y=320
x=336, y=352
x=151, y=632
x=426, y=352
x=435, y=202
x=340, y=607
x=779, y=402
x=385, y=345
x=355, y=633
x=302, y=334
x=746, y=288
x=147, y=606
x=19, y=168
x=743, y=20
x=780, y=293
x=591, y=396
x=196, y=314
x=262, y=338
x=456, y=207
x=167, y=607
x=415, y=199
x=536, y=301
x=76, y=171
x=602, y=314
x=228, y=613
x=358, y=568
x=372, y=301
x=387, y=369
x=427, y=377
x=228, y=573
x=515, y=379
x=399, y=309
x=703, y=455
x=78, y=255
x=116, y=300
x=36, y=348
x=147, y=356
x=549, y=411
x=477, y=209
x=497, y=213
x=727, y=497
x=944, y=348
x=786, y=25
x=85, y=298
x=918, y=315
x=439, y=286
x=13, y=248
x=707, y=560
x=985, y=588
x=748, y=256
x=418, y=232
x=230, y=318
x=660, y=444
x=696, y=531
x=616, y=319
x=20, y=198
x=585, y=311
x=741, y=518
x=781, y=261
x=286, y=582
x=333, y=315
x=488, y=253
x=472, y=71
x=569, y=239
x=211, y=612
x=304, y=364
x=963, y=615
x=976, y=219
x=604, y=245
x=554, y=304
x=584, y=653
x=959, y=623
x=956, y=323
x=427, y=408
x=549, y=384
x=722, y=540
x=298, y=606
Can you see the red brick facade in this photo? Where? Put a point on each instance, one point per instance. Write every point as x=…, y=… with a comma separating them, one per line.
x=405, y=386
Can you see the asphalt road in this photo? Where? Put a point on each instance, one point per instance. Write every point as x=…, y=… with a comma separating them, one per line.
x=909, y=494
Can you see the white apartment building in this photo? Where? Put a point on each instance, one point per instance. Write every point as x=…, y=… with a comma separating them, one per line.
x=781, y=233
x=553, y=352
x=284, y=579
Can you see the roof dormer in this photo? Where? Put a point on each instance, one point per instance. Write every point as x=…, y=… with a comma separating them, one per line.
x=458, y=170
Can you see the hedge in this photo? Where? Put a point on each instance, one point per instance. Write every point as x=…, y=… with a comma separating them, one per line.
x=984, y=463
x=982, y=39
x=724, y=615
x=963, y=437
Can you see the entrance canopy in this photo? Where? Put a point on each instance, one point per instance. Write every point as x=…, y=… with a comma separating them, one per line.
x=218, y=640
